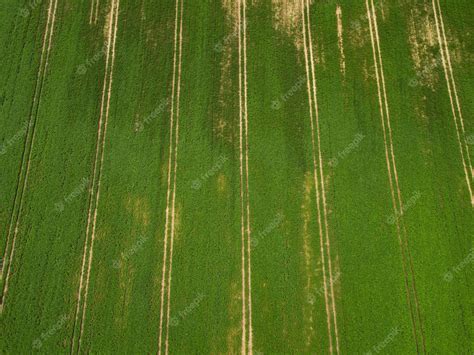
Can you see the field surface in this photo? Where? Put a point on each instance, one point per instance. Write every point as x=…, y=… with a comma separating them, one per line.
x=236, y=176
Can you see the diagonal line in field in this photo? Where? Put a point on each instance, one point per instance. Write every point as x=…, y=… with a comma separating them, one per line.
x=171, y=188
x=241, y=166
x=246, y=268
x=27, y=151
x=321, y=173
x=249, y=265
x=315, y=175
x=94, y=192
x=391, y=164
x=410, y=261
x=109, y=94
x=92, y=10
x=448, y=55
x=396, y=177
x=449, y=76
x=173, y=204
x=37, y=91
x=323, y=189
x=387, y=158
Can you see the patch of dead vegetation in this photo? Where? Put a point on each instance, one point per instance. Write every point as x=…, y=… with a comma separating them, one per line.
x=425, y=49
x=307, y=213
x=222, y=185
x=423, y=42
x=233, y=333
x=108, y=20
x=139, y=208
x=226, y=48
x=287, y=18
x=340, y=42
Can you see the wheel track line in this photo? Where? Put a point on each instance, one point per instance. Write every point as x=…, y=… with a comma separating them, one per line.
x=49, y=30
x=461, y=119
x=387, y=111
x=96, y=11
x=25, y=148
x=413, y=280
x=391, y=178
x=94, y=174
x=109, y=94
x=94, y=196
x=168, y=193
x=249, y=265
x=242, y=211
x=316, y=179
x=381, y=108
x=455, y=118
x=388, y=162
x=173, y=205
x=37, y=90
x=92, y=10
x=340, y=37
x=321, y=171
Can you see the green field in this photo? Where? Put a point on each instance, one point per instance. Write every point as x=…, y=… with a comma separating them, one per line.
x=236, y=176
